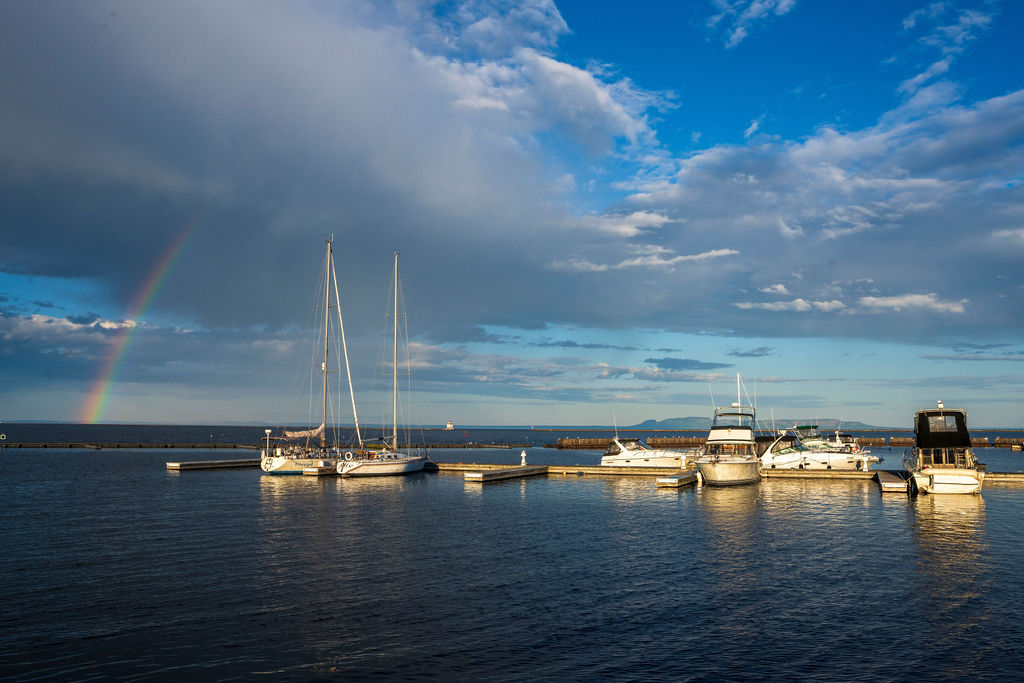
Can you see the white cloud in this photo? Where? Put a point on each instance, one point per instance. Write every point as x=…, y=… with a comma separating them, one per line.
x=778, y=288
x=798, y=305
x=629, y=225
x=649, y=256
x=752, y=128
x=739, y=17
x=929, y=302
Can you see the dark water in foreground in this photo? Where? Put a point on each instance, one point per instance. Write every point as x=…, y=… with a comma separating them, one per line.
x=114, y=568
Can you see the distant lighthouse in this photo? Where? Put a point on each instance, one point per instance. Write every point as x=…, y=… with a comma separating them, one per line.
x=450, y=426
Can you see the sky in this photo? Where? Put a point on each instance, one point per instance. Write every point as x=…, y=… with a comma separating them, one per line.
x=604, y=212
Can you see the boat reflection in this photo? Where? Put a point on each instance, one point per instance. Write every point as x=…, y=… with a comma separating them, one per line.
x=949, y=533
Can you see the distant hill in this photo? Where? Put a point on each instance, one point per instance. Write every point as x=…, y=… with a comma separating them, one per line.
x=824, y=423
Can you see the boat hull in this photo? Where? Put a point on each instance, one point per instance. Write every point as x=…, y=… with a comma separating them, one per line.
x=279, y=464
x=730, y=473
x=381, y=467
x=937, y=481
x=631, y=460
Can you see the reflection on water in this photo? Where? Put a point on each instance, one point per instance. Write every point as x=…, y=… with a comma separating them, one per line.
x=949, y=533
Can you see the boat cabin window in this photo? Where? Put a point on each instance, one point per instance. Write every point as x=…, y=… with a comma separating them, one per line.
x=957, y=457
x=730, y=449
x=942, y=423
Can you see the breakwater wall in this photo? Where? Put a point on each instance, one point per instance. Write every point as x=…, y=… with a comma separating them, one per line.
x=693, y=441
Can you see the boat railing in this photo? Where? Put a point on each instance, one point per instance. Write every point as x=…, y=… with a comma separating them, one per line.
x=961, y=458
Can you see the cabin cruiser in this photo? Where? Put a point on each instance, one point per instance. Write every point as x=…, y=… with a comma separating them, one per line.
x=839, y=443
x=789, y=451
x=942, y=460
x=729, y=456
x=628, y=452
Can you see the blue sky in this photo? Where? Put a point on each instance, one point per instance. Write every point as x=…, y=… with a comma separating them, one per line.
x=603, y=211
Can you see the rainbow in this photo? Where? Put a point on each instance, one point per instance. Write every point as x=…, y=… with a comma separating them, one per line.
x=96, y=400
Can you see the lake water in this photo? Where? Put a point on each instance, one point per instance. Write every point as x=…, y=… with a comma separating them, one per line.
x=115, y=568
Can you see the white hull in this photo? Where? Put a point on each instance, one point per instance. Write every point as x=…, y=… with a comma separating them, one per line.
x=947, y=480
x=649, y=459
x=280, y=464
x=383, y=466
x=819, y=461
x=730, y=472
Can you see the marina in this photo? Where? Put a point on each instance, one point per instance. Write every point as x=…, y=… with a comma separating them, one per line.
x=580, y=544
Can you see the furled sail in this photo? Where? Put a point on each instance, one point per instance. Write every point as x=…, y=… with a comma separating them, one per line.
x=306, y=433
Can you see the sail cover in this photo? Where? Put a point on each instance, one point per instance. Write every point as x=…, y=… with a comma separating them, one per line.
x=307, y=433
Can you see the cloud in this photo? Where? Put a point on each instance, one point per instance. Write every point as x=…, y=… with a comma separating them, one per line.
x=758, y=352
x=737, y=18
x=628, y=225
x=901, y=302
x=751, y=129
x=949, y=35
x=798, y=305
x=684, y=364
x=777, y=288
x=649, y=256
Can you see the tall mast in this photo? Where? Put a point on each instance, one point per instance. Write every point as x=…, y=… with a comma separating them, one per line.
x=394, y=367
x=344, y=350
x=323, y=365
x=739, y=401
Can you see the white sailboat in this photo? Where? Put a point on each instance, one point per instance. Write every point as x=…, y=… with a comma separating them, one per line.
x=308, y=450
x=729, y=456
x=389, y=460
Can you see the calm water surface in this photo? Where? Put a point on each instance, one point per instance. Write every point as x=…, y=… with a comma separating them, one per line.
x=115, y=568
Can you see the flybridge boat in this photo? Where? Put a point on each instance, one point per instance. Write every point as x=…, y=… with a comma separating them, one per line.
x=729, y=456
x=942, y=460
x=789, y=451
x=628, y=452
x=389, y=460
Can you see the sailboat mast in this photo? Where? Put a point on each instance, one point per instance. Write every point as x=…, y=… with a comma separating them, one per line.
x=394, y=367
x=323, y=365
x=344, y=350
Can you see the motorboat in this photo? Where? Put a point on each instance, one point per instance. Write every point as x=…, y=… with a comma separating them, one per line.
x=942, y=460
x=729, y=456
x=785, y=452
x=790, y=451
x=630, y=452
x=840, y=442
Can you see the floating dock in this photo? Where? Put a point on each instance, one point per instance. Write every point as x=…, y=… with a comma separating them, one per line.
x=891, y=482
x=213, y=464
x=517, y=472
x=684, y=478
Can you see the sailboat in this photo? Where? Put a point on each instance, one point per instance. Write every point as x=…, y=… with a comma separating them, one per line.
x=307, y=451
x=729, y=456
x=389, y=460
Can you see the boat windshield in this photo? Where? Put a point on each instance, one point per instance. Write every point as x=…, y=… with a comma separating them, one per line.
x=729, y=449
x=733, y=417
